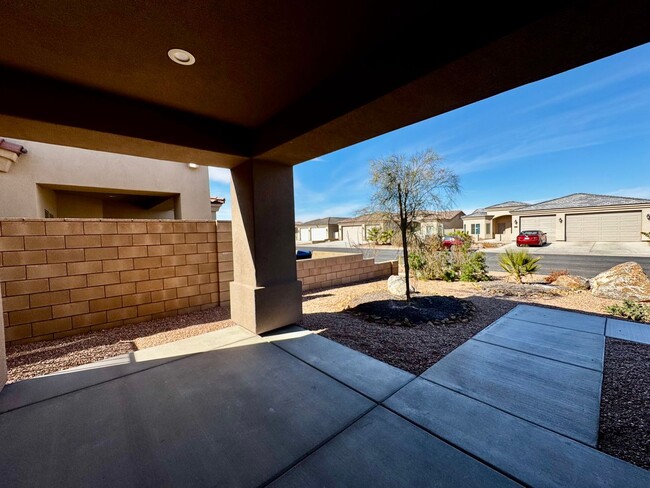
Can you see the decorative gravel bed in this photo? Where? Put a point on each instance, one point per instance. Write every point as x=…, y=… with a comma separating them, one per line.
x=39, y=358
x=625, y=403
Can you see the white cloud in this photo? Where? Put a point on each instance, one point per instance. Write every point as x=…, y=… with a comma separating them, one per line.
x=219, y=175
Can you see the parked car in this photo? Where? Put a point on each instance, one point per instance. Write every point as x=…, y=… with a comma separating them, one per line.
x=303, y=254
x=449, y=241
x=531, y=238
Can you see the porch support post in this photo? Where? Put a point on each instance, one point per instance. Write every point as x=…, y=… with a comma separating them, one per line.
x=265, y=293
x=3, y=353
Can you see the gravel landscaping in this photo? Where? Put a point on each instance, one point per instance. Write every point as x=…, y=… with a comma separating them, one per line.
x=39, y=358
x=625, y=403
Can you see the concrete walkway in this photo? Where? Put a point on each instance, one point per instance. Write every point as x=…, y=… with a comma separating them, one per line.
x=515, y=405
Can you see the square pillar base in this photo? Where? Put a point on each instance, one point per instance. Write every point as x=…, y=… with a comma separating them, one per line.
x=262, y=309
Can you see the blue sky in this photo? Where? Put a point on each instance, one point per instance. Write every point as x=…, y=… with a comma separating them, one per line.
x=585, y=130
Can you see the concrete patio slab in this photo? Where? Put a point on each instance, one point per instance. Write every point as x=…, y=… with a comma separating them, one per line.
x=196, y=344
x=559, y=396
x=237, y=416
x=34, y=390
x=384, y=450
x=371, y=377
x=559, y=318
x=629, y=331
x=566, y=345
x=531, y=454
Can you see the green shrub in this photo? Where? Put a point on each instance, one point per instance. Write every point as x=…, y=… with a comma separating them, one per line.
x=416, y=261
x=518, y=264
x=632, y=310
x=380, y=237
x=386, y=237
x=474, y=268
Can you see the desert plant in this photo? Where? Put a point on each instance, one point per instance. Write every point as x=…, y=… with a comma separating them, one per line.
x=386, y=237
x=474, y=268
x=518, y=264
x=373, y=234
x=632, y=310
x=416, y=261
x=555, y=274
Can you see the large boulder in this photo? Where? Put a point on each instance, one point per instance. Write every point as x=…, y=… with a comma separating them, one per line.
x=397, y=286
x=573, y=283
x=623, y=281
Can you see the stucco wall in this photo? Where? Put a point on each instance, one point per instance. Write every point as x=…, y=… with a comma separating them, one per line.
x=47, y=164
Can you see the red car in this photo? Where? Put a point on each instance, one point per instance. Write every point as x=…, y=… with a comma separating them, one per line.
x=449, y=241
x=531, y=238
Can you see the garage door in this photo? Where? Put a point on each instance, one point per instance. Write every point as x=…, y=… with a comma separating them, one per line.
x=304, y=235
x=319, y=234
x=613, y=226
x=545, y=223
x=353, y=234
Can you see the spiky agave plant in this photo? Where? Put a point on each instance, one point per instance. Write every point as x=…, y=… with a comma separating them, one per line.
x=518, y=264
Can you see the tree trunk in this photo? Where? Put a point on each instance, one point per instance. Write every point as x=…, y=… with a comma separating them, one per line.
x=406, y=261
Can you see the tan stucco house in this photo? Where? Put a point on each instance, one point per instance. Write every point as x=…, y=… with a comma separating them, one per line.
x=354, y=230
x=45, y=181
x=318, y=230
x=579, y=217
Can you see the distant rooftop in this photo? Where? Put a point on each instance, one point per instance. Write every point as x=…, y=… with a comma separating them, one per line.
x=479, y=212
x=580, y=200
x=508, y=204
x=323, y=221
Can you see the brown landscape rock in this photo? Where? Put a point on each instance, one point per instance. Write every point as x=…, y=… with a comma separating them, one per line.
x=572, y=282
x=623, y=281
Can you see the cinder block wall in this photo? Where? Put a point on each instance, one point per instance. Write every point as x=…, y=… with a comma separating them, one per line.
x=61, y=277
x=341, y=270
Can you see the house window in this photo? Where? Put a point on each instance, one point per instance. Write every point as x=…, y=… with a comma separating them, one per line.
x=429, y=230
x=488, y=229
x=464, y=227
x=475, y=229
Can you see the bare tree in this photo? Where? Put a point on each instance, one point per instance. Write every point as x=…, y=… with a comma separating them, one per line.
x=405, y=186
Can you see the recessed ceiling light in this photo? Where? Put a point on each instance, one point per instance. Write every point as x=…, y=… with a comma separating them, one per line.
x=193, y=165
x=181, y=56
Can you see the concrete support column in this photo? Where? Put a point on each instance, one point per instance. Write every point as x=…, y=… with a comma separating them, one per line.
x=265, y=293
x=3, y=353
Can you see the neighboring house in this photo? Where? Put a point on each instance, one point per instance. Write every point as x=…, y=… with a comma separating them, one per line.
x=325, y=229
x=493, y=222
x=215, y=205
x=355, y=230
x=45, y=180
x=440, y=223
x=579, y=217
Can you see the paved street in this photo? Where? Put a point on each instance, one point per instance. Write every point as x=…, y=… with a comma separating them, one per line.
x=583, y=265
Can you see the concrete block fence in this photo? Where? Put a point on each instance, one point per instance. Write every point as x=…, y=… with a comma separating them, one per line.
x=60, y=277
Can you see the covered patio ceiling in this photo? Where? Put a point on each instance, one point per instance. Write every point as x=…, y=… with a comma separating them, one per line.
x=278, y=81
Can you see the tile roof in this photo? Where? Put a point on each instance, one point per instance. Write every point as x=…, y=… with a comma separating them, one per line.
x=323, y=221
x=364, y=219
x=510, y=203
x=479, y=212
x=441, y=215
x=580, y=200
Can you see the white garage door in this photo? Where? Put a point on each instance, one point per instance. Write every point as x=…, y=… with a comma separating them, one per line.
x=304, y=235
x=545, y=223
x=318, y=234
x=613, y=226
x=353, y=234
